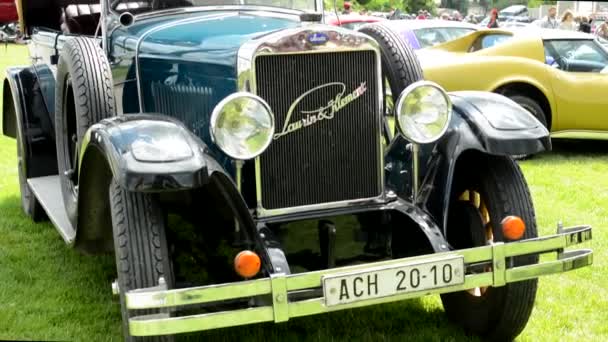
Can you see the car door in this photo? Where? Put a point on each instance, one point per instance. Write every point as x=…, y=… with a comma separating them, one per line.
x=580, y=83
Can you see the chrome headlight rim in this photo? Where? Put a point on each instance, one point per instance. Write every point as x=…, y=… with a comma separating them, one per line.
x=400, y=102
x=217, y=111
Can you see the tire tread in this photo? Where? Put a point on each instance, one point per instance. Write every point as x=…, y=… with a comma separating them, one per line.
x=141, y=257
x=399, y=62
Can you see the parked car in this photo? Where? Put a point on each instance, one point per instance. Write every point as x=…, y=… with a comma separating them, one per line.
x=425, y=33
x=352, y=21
x=516, y=24
x=202, y=143
x=561, y=77
x=8, y=12
x=8, y=18
x=9, y=32
x=515, y=13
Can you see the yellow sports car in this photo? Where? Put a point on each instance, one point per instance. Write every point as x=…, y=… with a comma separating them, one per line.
x=561, y=77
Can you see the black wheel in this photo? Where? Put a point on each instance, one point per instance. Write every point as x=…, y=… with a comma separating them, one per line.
x=83, y=96
x=400, y=66
x=531, y=106
x=140, y=244
x=482, y=198
x=29, y=203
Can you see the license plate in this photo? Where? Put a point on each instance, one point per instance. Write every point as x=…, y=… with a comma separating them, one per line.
x=393, y=280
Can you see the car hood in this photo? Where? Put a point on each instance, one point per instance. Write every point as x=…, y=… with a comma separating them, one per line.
x=182, y=65
x=212, y=37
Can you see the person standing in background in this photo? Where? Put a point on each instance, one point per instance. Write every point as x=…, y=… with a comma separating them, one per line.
x=602, y=30
x=550, y=21
x=456, y=16
x=584, y=26
x=567, y=22
x=493, y=23
x=347, y=9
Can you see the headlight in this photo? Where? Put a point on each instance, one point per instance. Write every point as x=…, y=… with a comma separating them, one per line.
x=423, y=112
x=242, y=125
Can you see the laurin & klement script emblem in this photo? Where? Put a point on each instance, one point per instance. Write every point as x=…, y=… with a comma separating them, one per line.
x=327, y=112
x=317, y=38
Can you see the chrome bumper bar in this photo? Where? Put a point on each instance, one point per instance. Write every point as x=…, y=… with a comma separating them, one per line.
x=279, y=286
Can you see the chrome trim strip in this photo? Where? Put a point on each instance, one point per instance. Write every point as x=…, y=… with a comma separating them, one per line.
x=580, y=134
x=194, y=9
x=104, y=27
x=265, y=213
x=279, y=285
x=282, y=43
x=159, y=28
x=415, y=171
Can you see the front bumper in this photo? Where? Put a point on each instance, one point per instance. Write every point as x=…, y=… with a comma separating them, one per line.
x=283, y=287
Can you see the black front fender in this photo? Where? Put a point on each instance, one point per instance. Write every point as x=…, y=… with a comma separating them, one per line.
x=149, y=153
x=482, y=123
x=500, y=126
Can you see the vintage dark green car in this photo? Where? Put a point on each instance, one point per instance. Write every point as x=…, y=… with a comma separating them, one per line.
x=238, y=159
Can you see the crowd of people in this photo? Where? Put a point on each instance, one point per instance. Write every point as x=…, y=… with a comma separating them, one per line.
x=567, y=21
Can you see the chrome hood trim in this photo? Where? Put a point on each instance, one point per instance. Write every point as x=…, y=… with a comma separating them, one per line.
x=294, y=41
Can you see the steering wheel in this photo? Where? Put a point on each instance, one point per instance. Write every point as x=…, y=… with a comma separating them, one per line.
x=563, y=62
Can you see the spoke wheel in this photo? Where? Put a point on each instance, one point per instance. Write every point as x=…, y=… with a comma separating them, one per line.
x=487, y=189
x=69, y=139
x=485, y=236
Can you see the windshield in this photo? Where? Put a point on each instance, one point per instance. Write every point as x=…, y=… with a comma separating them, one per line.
x=156, y=5
x=432, y=36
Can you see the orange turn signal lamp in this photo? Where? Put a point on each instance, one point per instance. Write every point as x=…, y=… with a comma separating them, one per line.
x=513, y=227
x=247, y=264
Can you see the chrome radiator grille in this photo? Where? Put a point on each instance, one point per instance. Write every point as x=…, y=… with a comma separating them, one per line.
x=328, y=128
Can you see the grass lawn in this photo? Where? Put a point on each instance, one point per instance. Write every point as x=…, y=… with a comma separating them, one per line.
x=50, y=292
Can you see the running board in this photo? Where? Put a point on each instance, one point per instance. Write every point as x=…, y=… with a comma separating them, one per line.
x=48, y=192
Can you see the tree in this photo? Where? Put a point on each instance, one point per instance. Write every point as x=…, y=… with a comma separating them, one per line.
x=461, y=6
x=409, y=6
x=413, y=6
x=537, y=3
